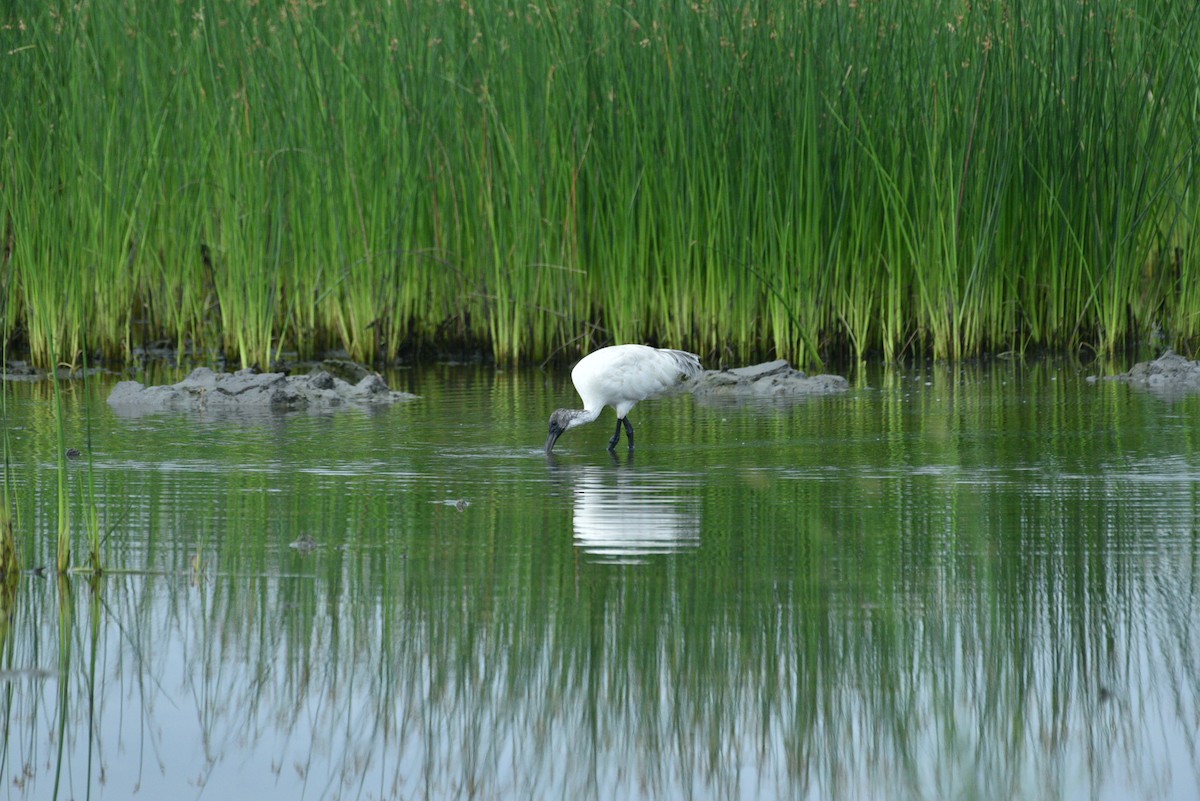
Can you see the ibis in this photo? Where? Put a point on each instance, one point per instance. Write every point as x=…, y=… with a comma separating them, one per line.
x=619, y=376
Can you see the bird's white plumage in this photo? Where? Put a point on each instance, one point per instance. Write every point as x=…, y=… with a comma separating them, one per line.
x=621, y=375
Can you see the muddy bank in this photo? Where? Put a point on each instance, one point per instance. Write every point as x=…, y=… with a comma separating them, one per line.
x=775, y=379
x=251, y=390
x=25, y=372
x=1169, y=373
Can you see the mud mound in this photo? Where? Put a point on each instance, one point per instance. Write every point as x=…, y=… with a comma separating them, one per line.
x=770, y=379
x=248, y=389
x=1167, y=374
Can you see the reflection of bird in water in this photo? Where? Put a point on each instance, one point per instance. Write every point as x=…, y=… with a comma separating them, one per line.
x=617, y=516
x=619, y=376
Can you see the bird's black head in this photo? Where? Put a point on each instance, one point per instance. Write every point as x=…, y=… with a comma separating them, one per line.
x=560, y=421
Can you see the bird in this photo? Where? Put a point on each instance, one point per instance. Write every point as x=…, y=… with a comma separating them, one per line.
x=619, y=376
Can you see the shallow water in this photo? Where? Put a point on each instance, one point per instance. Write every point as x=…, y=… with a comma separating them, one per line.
x=948, y=583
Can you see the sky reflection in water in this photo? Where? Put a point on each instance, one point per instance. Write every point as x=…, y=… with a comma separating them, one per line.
x=947, y=583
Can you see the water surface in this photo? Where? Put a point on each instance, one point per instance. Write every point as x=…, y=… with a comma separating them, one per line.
x=973, y=582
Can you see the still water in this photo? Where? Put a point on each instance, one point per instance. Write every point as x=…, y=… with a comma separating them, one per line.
x=950, y=582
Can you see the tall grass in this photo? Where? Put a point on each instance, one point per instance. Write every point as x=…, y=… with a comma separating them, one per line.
x=738, y=178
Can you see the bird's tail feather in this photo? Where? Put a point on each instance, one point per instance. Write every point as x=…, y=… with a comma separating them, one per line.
x=689, y=363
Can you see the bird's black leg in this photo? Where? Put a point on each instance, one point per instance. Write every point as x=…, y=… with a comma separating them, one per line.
x=628, y=431
x=612, y=443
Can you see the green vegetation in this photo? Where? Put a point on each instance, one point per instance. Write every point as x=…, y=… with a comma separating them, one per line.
x=10, y=563
x=804, y=178
x=17, y=470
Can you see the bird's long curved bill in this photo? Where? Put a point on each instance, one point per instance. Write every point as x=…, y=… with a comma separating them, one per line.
x=550, y=440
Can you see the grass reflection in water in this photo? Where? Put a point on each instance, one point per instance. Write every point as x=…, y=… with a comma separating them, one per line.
x=956, y=591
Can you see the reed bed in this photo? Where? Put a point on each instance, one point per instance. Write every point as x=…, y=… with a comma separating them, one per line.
x=530, y=179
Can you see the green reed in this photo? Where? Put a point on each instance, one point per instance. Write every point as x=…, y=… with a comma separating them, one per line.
x=63, y=516
x=80, y=502
x=825, y=177
x=9, y=559
x=88, y=497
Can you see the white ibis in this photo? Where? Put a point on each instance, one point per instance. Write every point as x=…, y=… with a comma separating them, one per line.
x=619, y=376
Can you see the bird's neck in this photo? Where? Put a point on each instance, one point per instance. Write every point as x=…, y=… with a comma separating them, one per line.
x=581, y=416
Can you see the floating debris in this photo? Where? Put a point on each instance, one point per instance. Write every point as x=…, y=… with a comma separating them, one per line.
x=28, y=673
x=458, y=503
x=305, y=544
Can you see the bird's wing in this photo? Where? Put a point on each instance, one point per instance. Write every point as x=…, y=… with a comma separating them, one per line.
x=688, y=364
x=621, y=376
